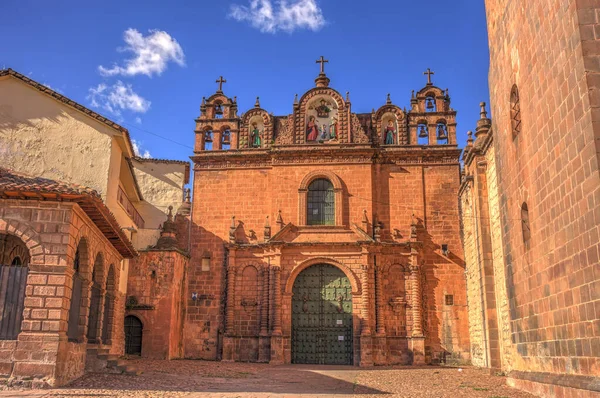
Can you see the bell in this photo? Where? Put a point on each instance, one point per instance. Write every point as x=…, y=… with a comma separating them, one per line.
x=218, y=110
x=441, y=130
x=226, y=139
x=208, y=136
x=430, y=105
x=423, y=132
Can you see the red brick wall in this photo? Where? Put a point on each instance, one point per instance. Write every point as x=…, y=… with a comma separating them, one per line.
x=549, y=49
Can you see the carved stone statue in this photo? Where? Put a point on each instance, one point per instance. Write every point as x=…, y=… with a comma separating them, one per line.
x=390, y=133
x=255, y=135
x=333, y=128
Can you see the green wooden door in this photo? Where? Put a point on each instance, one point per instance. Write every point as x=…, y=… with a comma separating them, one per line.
x=322, y=317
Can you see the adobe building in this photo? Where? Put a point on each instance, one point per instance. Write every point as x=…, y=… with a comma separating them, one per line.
x=76, y=205
x=530, y=200
x=327, y=236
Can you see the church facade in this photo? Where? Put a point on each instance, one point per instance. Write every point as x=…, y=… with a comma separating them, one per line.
x=326, y=236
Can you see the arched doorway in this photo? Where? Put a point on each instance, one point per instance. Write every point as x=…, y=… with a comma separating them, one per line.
x=322, y=316
x=14, y=267
x=133, y=335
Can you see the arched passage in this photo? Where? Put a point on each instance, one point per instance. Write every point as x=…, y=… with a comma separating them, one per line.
x=109, y=306
x=322, y=316
x=133, y=335
x=95, y=300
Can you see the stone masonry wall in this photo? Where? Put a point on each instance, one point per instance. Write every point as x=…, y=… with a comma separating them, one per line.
x=51, y=231
x=157, y=280
x=550, y=50
x=389, y=193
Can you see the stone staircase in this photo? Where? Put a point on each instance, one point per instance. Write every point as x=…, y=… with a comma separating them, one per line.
x=99, y=360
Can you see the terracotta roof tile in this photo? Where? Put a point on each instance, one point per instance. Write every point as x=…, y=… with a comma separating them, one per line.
x=14, y=185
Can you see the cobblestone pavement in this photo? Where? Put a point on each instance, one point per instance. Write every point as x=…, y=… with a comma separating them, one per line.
x=236, y=380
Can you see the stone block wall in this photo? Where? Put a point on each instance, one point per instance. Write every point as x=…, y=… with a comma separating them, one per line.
x=549, y=52
x=41, y=354
x=390, y=194
x=157, y=282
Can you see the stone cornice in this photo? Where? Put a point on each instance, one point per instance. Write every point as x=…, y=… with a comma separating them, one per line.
x=326, y=154
x=480, y=148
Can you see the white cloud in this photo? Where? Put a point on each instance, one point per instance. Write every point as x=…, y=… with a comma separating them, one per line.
x=139, y=151
x=138, y=120
x=117, y=98
x=286, y=15
x=151, y=54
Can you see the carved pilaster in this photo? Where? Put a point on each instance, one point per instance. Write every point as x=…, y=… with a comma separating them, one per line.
x=230, y=316
x=365, y=327
x=380, y=326
x=277, y=300
x=417, y=307
x=264, y=316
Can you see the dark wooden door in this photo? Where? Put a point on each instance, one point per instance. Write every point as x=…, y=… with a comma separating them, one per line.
x=12, y=297
x=322, y=317
x=133, y=335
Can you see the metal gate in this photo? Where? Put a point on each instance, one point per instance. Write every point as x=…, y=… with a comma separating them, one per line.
x=322, y=317
x=12, y=296
x=133, y=335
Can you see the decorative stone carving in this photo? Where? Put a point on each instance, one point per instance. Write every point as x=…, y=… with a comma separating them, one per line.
x=359, y=136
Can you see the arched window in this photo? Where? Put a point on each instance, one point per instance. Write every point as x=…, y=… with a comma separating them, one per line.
x=320, y=203
x=525, y=225
x=16, y=261
x=515, y=111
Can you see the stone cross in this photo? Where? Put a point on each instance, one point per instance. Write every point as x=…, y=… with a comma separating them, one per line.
x=220, y=80
x=428, y=73
x=322, y=61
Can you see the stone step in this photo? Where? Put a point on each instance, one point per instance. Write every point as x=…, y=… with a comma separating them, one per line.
x=115, y=362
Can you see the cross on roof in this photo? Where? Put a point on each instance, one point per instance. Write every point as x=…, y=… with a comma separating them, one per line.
x=322, y=61
x=220, y=80
x=428, y=73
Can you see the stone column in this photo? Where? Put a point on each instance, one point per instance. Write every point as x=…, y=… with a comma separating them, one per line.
x=276, y=336
x=228, y=340
x=366, y=343
x=263, y=349
x=417, y=339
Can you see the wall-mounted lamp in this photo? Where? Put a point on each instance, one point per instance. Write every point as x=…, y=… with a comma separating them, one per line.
x=445, y=249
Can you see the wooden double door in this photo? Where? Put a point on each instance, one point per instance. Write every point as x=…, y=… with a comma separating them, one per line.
x=322, y=317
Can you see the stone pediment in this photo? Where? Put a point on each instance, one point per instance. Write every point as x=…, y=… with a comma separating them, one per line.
x=321, y=234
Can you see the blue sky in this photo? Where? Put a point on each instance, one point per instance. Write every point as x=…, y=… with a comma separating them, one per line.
x=160, y=58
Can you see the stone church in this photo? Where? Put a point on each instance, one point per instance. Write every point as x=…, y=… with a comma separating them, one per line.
x=326, y=236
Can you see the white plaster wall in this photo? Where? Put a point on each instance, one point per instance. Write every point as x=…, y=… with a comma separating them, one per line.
x=43, y=137
x=162, y=186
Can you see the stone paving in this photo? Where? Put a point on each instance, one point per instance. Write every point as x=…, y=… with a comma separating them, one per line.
x=186, y=378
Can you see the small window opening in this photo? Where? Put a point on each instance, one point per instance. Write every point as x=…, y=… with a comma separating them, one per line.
x=449, y=299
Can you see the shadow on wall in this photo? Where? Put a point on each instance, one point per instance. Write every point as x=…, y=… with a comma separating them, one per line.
x=439, y=324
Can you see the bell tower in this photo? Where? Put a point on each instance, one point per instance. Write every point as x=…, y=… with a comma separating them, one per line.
x=218, y=126
x=431, y=119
